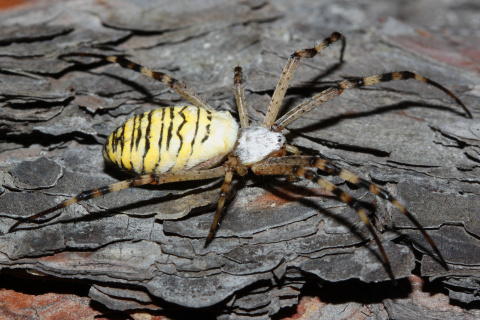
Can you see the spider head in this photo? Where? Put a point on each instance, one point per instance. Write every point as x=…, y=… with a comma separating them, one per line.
x=257, y=143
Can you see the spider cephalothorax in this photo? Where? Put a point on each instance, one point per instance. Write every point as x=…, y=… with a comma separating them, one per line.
x=186, y=143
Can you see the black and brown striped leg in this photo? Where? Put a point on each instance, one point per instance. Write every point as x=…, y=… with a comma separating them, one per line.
x=333, y=169
x=173, y=83
x=240, y=97
x=230, y=166
x=276, y=168
x=352, y=202
x=293, y=150
x=134, y=182
x=288, y=70
x=332, y=92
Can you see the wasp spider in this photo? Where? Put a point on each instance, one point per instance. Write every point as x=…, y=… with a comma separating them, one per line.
x=185, y=143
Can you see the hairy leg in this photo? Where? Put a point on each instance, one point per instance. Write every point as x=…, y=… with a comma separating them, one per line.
x=134, y=182
x=337, y=90
x=240, y=97
x=288, y=70
x=173, y=83
x=276, y=168
x=230, y=166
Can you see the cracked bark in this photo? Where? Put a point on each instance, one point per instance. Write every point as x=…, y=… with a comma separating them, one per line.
x=275, y=237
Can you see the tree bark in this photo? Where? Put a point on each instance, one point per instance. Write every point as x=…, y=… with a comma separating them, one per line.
x=143, y=248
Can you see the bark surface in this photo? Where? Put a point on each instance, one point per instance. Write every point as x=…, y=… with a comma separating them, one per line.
x=143, y=248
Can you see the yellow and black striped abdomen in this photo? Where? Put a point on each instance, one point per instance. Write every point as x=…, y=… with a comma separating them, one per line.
x=171, y=139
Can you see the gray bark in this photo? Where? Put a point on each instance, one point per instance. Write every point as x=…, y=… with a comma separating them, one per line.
x=145, y=246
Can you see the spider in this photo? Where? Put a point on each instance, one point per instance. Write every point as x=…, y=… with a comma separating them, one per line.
x=186, y=143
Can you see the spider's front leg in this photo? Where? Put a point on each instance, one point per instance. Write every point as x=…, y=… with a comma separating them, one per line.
x=231, y=166
x=288, y=70
x=337, y=90
x=298, y=165
x=240, y=97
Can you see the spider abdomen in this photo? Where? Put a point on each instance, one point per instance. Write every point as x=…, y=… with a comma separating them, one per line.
x=171, y=139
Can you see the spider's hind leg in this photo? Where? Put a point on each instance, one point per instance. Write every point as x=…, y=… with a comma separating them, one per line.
x=173, y=83
x=134, y=182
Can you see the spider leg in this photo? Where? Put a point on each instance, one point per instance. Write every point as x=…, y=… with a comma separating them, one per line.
x=288, y=70
x=240, y=97
x=277, y=168
x=134, y=182
x=305, y=107
x=292, y=149
x=230, y=168
x=332, y=92
x=333, y=169
x=173, y=83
